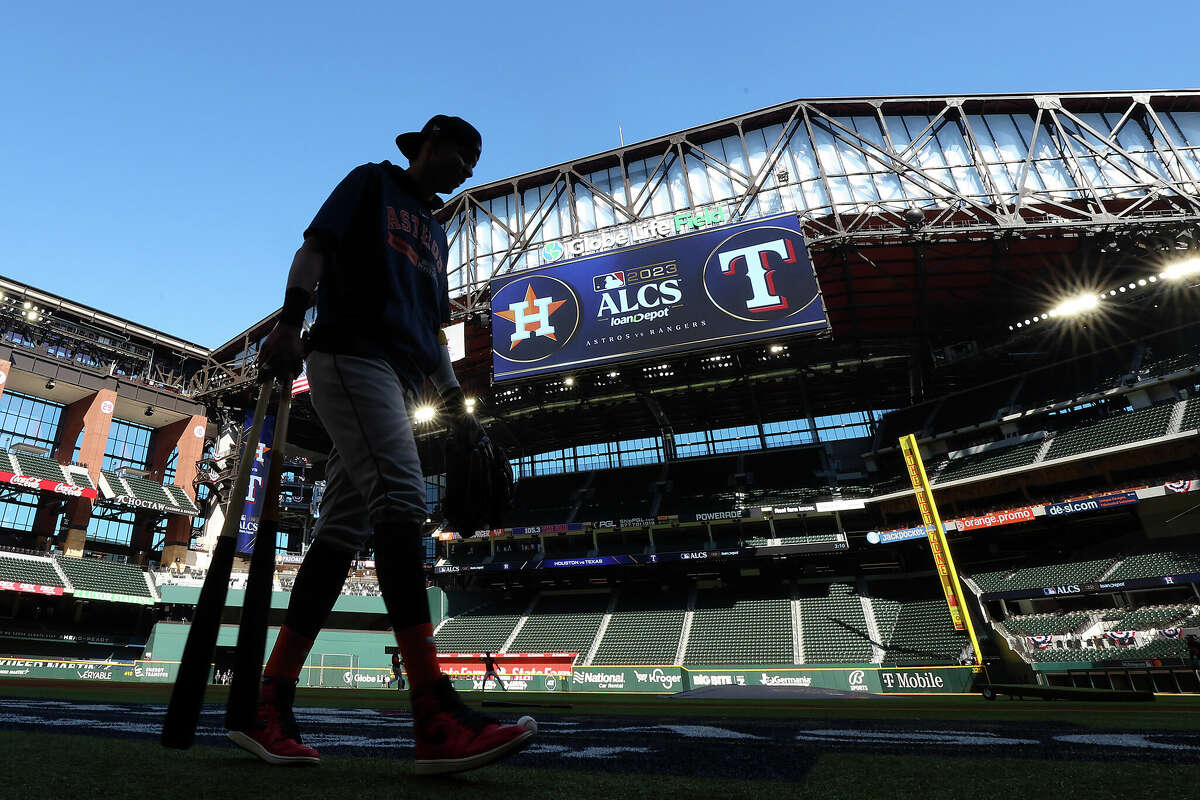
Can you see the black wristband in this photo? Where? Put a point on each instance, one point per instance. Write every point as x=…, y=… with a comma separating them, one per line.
x=295, y=305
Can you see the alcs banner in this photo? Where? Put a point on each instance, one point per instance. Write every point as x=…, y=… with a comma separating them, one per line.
x=722, y=286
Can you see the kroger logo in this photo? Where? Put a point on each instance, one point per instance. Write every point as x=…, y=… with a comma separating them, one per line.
x=540, y=315
x=659, y=677
x=760, y=275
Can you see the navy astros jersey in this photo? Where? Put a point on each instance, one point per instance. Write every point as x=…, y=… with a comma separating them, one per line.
x=384, y=291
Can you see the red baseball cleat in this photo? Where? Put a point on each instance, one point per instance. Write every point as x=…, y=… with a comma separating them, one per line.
x=453, y=738
x=276, y=736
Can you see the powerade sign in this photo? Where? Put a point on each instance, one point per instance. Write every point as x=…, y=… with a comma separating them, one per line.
x=720, y=286
x=1091, y=504
x=252, y=503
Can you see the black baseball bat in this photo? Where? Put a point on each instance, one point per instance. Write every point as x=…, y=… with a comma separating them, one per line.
x=256, y=607
x=187, y=695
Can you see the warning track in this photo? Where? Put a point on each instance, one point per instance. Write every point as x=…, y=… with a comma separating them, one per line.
x=712, y=747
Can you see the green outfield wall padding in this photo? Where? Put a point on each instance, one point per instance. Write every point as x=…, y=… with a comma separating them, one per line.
x=359, y=659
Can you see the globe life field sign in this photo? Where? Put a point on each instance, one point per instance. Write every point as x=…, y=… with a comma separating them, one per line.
x=697, y=291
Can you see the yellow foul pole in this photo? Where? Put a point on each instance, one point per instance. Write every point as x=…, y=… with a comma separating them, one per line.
x=947, y=572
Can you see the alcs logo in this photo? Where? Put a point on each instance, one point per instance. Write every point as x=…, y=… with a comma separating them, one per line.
x=760, y=275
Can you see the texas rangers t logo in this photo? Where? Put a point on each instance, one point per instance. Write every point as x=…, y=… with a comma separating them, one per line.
x=758, y=275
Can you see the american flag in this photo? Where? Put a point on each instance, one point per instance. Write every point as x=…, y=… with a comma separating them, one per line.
x=300, y=385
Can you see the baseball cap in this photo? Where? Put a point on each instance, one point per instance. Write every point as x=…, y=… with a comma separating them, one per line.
x=454, y=128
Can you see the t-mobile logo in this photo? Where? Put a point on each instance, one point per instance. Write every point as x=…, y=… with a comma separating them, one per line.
x=756, y=259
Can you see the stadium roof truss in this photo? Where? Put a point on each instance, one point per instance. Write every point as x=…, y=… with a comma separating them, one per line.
x=860, y=172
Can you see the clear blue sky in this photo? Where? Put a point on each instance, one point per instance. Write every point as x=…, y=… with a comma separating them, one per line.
x=150, y=154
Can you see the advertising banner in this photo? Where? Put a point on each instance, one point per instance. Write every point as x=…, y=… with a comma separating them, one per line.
x=901, y=535
x=68, y=670
x=1091, y=504
x=30, y=588
x=926, y=680
x=849, y=679
x=113, y=597
x=627, y=679
x=41, y=485
x=700, y=290
x=252, y=506
x=534, y=672
x=993, y=520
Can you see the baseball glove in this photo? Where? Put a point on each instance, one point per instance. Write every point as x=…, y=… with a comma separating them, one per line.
x=479, y=483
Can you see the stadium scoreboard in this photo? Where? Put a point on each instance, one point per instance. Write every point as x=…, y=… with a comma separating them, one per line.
x=697, y=291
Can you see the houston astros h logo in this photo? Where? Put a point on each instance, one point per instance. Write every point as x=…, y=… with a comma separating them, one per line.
x=543, y=313
x=760, y=275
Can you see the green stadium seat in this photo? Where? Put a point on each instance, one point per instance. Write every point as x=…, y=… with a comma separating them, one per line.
x=1153, y=565
x=1131, y=426
x=728, y=629
x=834, y=626
x=644, y=629
x=1191, y=415
x=1046, y=624
x=562, y=624
x=970, y=466
x=31, y=569
x=923, y=632
x=482, y=629
x=108, y=577
x=40, y=467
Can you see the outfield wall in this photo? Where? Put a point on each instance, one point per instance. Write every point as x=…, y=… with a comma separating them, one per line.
x=625, y=679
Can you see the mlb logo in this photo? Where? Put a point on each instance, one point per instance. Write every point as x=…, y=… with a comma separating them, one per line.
x=613, y=280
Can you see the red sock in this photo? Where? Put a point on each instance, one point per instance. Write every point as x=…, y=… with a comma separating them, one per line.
x=419, y=654
x=288, y=656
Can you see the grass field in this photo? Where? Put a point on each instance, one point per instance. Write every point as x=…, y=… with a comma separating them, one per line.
x=73, y=766
x=143, y=769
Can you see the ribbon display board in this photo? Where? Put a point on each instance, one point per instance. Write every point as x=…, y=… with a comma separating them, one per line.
x=696, y=291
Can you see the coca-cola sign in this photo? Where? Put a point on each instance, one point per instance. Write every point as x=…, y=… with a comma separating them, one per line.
x=54, y=487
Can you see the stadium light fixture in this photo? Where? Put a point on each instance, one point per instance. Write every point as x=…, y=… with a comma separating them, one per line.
x=569, y=381
x=1077, y=305
x=776, y=348
x=424, y=414
x=1182, y=269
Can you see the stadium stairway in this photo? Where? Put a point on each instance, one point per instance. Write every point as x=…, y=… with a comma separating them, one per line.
x=605, y=621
